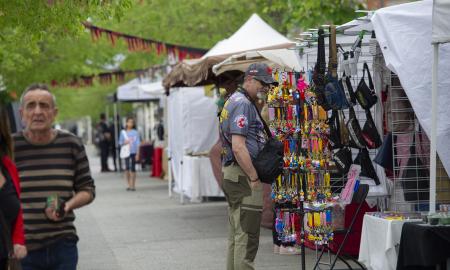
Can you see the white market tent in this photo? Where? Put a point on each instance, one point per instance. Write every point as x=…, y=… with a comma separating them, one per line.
x=278, y=58
x=140, y=90
x=406, y=33
x=253, y=35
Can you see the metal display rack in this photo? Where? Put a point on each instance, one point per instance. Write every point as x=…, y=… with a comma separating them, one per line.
x=411, y=159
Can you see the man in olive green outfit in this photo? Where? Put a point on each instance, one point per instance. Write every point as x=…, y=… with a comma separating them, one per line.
x=242, y=134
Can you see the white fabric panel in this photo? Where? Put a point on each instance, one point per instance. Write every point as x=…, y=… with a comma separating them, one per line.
x=176, y=133
x=193, y=128
x=200, y=121
x=404, y=35
x=255, y=34
x=441, y=21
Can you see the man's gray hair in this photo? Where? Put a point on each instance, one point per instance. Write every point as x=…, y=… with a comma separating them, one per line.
x=37, y=86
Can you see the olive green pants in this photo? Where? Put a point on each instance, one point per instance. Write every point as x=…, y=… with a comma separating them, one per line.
x=244, y=215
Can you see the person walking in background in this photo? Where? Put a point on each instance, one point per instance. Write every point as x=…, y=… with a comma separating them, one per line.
x=11, y=220
x=55, y=178
x=104, y=140
x=114, y=143
x=129, y=137
x=243, y=137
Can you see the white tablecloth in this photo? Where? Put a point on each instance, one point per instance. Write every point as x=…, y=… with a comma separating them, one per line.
x=380, y=240
x=197, y=179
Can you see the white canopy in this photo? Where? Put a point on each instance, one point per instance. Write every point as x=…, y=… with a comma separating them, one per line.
x=279, y=58
x=441, y=21
x=139, y=90
x=253, y=35
x=357, y=25
x=404, y=33
x=154, y=88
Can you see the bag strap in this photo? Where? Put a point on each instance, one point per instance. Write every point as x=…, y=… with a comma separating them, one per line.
x=332, y=64
x=345, y=88
x=412, y=149
x=266, y=128
x=366, y=67
x=352, y=113
x=125, y=134
x=335, y=121
x=321, y=52
x=369, y=117
x=6, y=234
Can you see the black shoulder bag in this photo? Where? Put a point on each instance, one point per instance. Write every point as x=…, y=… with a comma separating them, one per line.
x=269, y=162
x=366, y=95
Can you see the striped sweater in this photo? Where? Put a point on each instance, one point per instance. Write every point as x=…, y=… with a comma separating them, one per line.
x=60, y=167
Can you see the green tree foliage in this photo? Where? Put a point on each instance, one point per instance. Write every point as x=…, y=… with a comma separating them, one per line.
x=296, y=15
x=29, y=30
x=43, y=40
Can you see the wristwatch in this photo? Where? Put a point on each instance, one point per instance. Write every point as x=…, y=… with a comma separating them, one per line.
x=256, y=180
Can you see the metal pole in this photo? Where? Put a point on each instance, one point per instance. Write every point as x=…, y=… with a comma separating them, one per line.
x=167, y=144
x=116, y=135
x=434, y=115
x=181, y=183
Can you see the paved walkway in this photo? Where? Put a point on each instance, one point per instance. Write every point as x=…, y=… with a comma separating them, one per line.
x=146, y=229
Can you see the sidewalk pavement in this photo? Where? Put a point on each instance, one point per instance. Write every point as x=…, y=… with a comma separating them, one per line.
x=145, y=229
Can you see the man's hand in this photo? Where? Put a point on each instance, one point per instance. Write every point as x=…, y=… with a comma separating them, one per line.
x=20, y=251
x=255, y=184
x=2, y=180
x=53, y=215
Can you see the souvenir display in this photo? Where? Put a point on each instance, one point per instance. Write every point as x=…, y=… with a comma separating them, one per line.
x=301, y=125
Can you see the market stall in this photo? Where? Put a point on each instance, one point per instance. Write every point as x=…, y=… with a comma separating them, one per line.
x=424, y=97
x=150, y=97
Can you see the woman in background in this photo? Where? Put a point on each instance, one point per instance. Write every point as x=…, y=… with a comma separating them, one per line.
x=10, y=209
x=130, y=136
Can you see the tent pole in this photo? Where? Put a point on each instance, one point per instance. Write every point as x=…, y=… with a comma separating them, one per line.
x=167, y=144
x=116, y=135
x=434, y=103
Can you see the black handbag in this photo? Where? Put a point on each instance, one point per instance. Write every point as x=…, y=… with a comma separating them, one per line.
x=370, y=133
x=338, y=130
x=367, y=169
x=343, y=160
x=366, y=95
x=415, y=178
x=354, y=131
x=11, y=263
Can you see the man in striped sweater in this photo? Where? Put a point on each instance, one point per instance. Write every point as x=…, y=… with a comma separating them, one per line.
x=52, y=164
